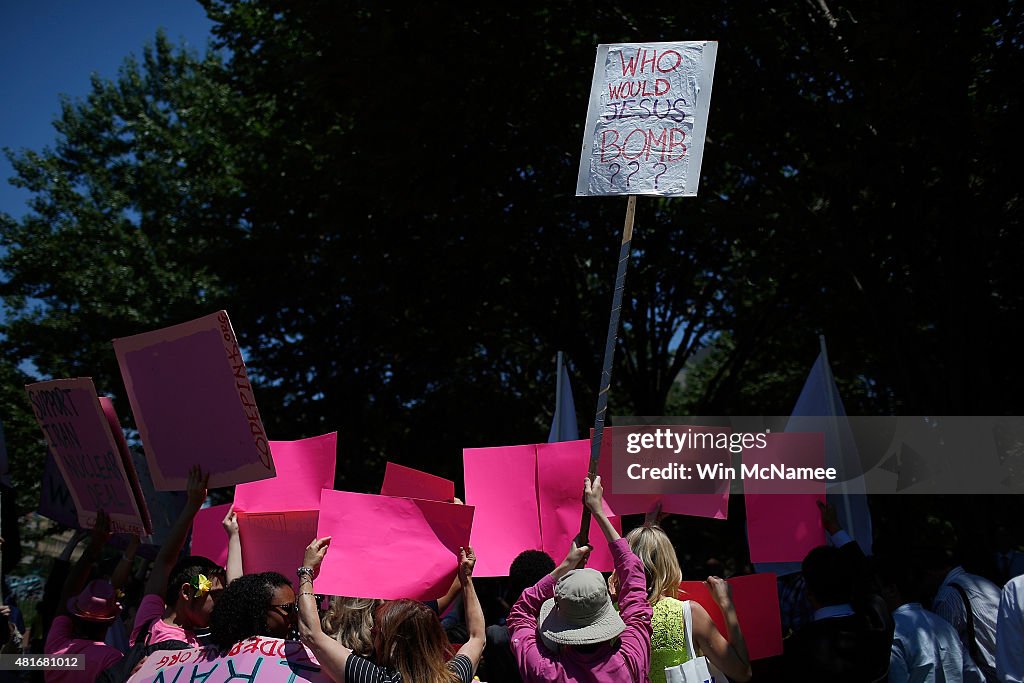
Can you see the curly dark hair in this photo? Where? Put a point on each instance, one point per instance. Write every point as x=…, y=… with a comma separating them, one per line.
x=185, y=570
x=529, y=567
x=241, y=610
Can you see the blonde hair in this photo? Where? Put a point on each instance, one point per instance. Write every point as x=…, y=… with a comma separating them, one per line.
x=651, y=545
x=350, y=621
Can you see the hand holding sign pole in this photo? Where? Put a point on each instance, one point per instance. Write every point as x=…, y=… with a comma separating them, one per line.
x=645, y=130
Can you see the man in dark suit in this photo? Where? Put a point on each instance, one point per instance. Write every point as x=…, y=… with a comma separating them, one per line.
x=850, y=637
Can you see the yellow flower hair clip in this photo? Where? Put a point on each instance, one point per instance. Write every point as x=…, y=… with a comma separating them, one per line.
x=202, y=585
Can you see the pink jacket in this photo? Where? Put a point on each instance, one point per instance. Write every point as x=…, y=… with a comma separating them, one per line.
x=628, y=661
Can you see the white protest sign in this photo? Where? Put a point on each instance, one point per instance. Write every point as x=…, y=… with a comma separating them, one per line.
x=647, y=119
x=257, y=660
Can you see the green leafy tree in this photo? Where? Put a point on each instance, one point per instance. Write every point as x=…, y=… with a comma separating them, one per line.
x=381, y=197
x=127, y=223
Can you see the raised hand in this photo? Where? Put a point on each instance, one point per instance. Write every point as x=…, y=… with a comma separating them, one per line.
x=577, y=557
x=593, y=493
x=315, y=552
x=197, y=483
x=720, y=590
x=101, y=530
x=829, y=517
x=467, y=560
x=230, y=523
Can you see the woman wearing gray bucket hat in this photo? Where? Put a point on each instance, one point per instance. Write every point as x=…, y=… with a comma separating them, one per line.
x=565, y=628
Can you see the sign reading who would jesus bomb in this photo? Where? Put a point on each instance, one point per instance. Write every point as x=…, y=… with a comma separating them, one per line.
x=647, y=119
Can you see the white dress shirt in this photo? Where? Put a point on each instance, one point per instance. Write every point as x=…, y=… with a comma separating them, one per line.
x=984, y=596
x=1010, y=646
x=926, y=649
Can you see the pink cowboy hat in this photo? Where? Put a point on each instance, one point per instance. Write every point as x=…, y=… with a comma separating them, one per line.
x=98, y=602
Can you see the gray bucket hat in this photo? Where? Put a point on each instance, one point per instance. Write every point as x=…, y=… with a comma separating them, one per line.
x=581, y=613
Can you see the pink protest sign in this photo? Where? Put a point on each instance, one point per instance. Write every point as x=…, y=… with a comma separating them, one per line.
x=275, y=541
x=561, y=469
x=258, y=659
x=756, y=599
x=208, y=536
x=194, y=405
x=783, y=520
x=54, y=497
x=501, y=483
x=86, y=453
x=387, y=547
x=107, y=405
x=409, y=483
x=304, y=468
x=712, y=505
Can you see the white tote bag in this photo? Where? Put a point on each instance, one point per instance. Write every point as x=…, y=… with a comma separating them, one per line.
x=697, y=669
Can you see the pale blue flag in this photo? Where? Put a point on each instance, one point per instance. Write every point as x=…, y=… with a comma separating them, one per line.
x=820, y=398
x=563, y=425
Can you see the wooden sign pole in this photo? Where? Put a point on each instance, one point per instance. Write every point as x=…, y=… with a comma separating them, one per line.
x=609, y=357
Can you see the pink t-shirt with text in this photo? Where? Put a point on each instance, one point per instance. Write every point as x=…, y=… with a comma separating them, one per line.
x=152, y=609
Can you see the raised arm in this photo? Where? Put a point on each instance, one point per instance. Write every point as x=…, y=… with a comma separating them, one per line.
x=234, y=568
x=474, y=647
x=593, y=494
x=446, y=599
x=47, y=608
x=576, y=558
x=169, y=551
x=123, y=571
x=331, y=654
x=730, y=656
x=79, y=575
x=524, y=612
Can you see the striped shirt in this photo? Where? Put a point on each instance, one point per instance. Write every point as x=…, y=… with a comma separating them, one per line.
x=362, y=670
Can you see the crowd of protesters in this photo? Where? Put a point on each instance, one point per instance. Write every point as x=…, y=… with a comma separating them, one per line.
x=910, y=616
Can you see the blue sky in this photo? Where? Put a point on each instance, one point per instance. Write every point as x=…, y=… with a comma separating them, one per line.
x=51, y=47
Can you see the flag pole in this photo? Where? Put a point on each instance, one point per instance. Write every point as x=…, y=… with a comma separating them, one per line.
x=609, y=357
x=833, y=411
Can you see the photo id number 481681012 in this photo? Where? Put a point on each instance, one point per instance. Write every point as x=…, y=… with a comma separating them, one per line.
x=41, y=662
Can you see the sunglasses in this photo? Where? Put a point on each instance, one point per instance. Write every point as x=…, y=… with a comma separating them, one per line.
x=288, y=607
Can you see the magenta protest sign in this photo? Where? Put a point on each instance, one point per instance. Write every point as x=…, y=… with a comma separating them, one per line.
x=107, y=406
x=561, y=469
x=208, y=536
x=409, y=483
x=501, y=483
x=692, y=503
x=85, y=451
x=275, y=541
x=54, y=497
x=257, y=660
x=420, y=539
x=756, y=599
x=528, y=498
x=304, y=468
x=194, y=405
x=783, y=520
